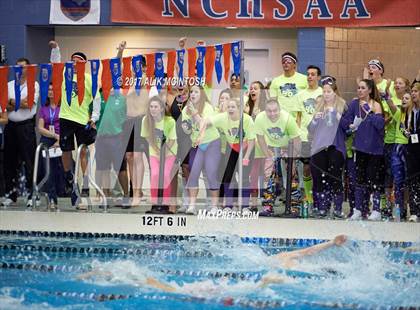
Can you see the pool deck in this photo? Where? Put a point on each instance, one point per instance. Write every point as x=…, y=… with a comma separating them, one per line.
x=136, y=221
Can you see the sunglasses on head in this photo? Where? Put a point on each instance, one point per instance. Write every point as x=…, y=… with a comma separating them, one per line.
x=327, y=80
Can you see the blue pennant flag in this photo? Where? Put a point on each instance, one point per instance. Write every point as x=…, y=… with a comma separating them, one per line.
x=115, y=67
x=68, y=76
x=236, y=57
x=18, y=76
x=44, y=81
x=201, y=52
x=218, y=62
x=180, y=57
x=136, y=63
x=159, y=70
x=94, y=69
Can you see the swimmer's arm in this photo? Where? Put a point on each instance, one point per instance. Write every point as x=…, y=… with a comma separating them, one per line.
x=159, y=285
x=92, y=273
x=338, y=241
x=270, y=279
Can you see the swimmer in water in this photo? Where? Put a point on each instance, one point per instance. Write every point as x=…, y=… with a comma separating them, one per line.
x=287, y=260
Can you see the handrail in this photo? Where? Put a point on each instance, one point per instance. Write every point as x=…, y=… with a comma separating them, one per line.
x=91, y=181
x=35, y=186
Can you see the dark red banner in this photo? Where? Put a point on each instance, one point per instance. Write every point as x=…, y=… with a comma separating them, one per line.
x=268, y=13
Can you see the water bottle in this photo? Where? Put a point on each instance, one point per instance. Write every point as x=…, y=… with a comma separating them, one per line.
x=305, y=212
x=397, y=213
x=329, y=118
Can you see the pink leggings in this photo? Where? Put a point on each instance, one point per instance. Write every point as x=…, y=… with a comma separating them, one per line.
x=154, y=178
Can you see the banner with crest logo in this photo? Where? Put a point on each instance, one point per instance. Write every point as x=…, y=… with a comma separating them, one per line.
x=75, y=12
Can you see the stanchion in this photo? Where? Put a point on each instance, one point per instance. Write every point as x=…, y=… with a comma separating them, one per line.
x=160, y=208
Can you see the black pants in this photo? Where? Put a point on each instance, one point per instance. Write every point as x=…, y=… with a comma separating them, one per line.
x=19, y=146
x=370, y=171
x=413, y=177
x=327, y=170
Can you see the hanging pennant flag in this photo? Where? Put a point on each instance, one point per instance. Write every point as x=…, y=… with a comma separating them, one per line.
x=126, y=75
x=30, y=84
x=18, y=76
x=170, y=68
x=150, y=69
x=57, y=80
x=218, y=62
x=94, y=70
x=136, y=62
x=192, y=56
x=210, y=56
x=115, y=65
x=201, y=51
x=68, y=78
x=44, y=81
x=236, y=57
x=106, y=79
x=159, y=71
x=80, y=72
x=180, y=62
x=226, y=60
x=4, y=96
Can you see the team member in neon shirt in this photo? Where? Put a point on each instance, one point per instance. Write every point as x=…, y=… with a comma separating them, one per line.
x=275, y=128
x=156, y=126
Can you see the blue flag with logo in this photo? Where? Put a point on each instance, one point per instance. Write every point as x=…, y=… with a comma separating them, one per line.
x=236, y=57
x=115, y=67
x=201, y=52
x=68, y=78
x=218, y=62
x=136, y=63
x=44, y=81
x=159, y=70
x=180, y=57
x=18, y=76
x=94, y=69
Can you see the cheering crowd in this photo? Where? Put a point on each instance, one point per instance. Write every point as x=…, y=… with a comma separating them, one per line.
x=365, y=151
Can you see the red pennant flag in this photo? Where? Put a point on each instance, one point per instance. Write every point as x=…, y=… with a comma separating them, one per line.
x=80, y=68
x=126, y=74
x=4, y=96
x=30, y=82
x=150, y=69
x=226, y=59
x=170, y=67
x=106, y=79
x=57, y=80
x=192, y=58
x=210, y=58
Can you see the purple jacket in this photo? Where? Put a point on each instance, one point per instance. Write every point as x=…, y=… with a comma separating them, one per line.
x=327, y=132
x=369, y=137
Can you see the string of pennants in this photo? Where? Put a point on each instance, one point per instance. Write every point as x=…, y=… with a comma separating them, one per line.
x=202, y=61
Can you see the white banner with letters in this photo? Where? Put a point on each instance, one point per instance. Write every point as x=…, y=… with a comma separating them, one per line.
x=75, y=12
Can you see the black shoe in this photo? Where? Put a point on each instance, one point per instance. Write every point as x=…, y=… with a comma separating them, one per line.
x=85, y=192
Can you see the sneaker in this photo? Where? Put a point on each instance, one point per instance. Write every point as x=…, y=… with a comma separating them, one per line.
x=85, y=192
x=75, y=200
x=7, y=202
x=267, y=211
x=322, y=213
x=29, y=202
x=247, y=211
x=338, y=214
x=357, y=215
x=413, y=218
x=182, y=209
x=375, y=216
x=191, y=210
x=214, y=209
x=81, y=207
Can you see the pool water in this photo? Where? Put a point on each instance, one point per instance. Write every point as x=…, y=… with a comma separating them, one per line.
x=43, y=272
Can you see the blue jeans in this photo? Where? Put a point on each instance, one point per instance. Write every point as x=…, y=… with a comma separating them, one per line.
x=398, y=169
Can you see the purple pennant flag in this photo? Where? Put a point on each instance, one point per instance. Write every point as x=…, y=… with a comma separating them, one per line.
x=218, y=62
x=44, y=81
x=159, y=70
x=68, y=77
x=180, y=61
x=94, y=69
x=137, y=64
x=201, y=52
x=236, y=57
x=115, y=67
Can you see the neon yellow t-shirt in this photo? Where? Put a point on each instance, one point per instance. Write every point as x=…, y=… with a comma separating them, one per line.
x=285, y=90
x=399, y=119
x=165, y=126
x=231, y=128
x=75, y=112
x=210, y=134
x=307, y=98
x=389, y=137
x=277, y=133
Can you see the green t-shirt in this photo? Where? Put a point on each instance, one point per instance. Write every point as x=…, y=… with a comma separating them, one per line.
x=285, y=90
x=165, y=126
x=75, y=112
x=389, y=137
x=399, y=119
x=113, y=115
x=307, y=100
x=211, y=132
x=230, y=128
x=279, y=133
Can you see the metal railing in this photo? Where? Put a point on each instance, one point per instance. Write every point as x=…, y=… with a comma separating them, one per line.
x=36, y=186
x=90, y=178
